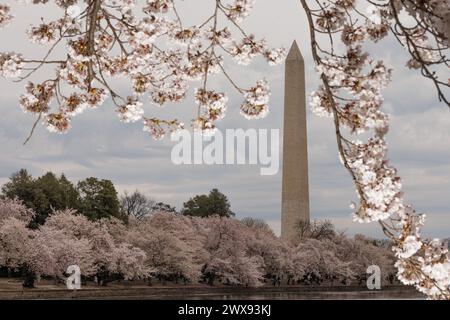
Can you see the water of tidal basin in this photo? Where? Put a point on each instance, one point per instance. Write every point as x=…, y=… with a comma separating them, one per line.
x=364, y=295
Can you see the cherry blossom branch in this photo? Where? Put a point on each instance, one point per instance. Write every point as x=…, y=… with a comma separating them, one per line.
x=158, y=55
x=424, y=263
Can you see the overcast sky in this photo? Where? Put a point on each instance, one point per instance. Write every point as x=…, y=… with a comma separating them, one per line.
x=99, y=145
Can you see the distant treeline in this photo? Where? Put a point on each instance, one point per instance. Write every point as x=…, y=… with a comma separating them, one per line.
x=98, y=198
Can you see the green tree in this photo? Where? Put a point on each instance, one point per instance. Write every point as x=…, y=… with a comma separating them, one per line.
x=43, y=195
x=59, y=192
x=216, y=203
x=21, y=185
x=98, y=199
x=48, y=184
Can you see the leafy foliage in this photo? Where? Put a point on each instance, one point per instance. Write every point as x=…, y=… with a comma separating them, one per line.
x=216, y=203
x=98, y=198
x=43, y=194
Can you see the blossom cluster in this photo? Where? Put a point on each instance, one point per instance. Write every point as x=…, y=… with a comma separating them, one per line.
x=5, y=16
x=158, y=128
x=256, y=101
x=240, y=9
x=212, y=107
x=249, y=48
x=11, y=64
x=132, y=111
x=146, y=44
x=378, y=180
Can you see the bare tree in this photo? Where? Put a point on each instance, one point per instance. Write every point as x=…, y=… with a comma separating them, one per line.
x=317, y=229
x=137, y=205
x=257, y=224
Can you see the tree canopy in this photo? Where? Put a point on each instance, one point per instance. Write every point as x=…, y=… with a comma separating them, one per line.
x=95, y=198
x=98, y=199
x=42, y=194
x=215, y=203
x=92, y=197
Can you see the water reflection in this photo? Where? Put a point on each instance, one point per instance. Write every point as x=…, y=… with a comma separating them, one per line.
x=358, y=295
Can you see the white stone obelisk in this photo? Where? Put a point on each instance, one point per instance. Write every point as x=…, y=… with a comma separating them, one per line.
x=295, y=193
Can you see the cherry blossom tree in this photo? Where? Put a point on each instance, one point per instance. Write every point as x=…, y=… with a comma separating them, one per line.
x=53, y=251
x=14, y=234
x=129, y=262
x=191, y=235
x=15, y=209
x=351, y=94
x=174, y=247
x=14, y=240
x=168, y=256
x=230, y=260
x=22, y=251
x=320, y=263
x=111, y=258
x=276, y=254
x=361, y=252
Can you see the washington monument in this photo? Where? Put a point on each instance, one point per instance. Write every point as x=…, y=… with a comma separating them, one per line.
x=295, y=193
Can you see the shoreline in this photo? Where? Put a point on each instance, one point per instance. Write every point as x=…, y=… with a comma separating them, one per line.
x=213, y=293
